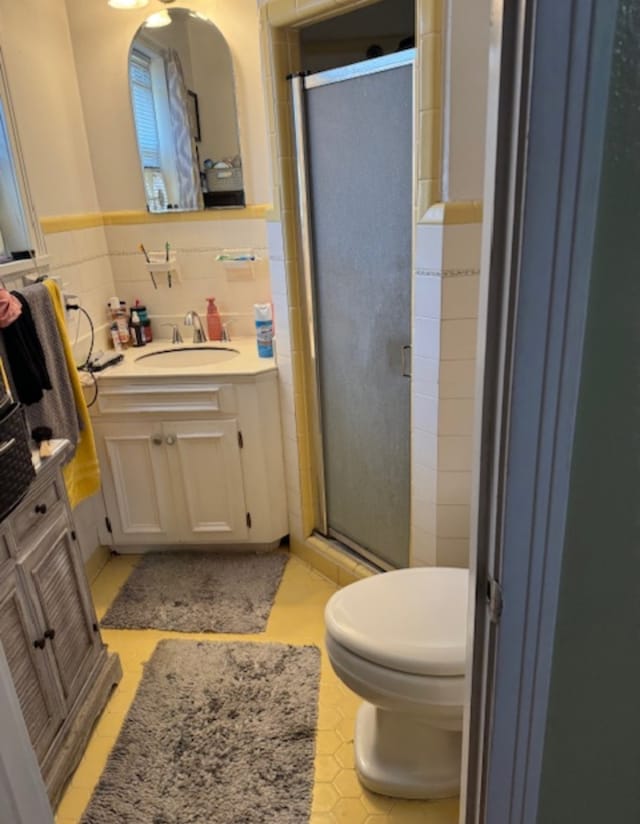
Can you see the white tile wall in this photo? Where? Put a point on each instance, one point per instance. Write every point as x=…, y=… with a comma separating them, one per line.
x=455, y=416
x=458, y=339
x=429, y=247
x=196, y=244
x=452, y=521
x=425, y=376
x=460, y=297
x=457, y=378
x=423, y=547
x=81, y=259
x=454, y=487
x=461, y=247
x=425, y=448
x=427, y=296
x=452, y=552
x=424, y=483
x=426, y=338
x=425, y=413
x=284, y=354
x=454, y=453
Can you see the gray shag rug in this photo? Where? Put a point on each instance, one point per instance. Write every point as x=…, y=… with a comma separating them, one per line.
x=218, y=733
x=199, y=592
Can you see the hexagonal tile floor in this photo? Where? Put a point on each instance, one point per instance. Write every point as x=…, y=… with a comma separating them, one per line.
x=296, y=618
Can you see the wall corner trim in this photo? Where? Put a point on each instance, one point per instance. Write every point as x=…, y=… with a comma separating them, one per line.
x=454, y=212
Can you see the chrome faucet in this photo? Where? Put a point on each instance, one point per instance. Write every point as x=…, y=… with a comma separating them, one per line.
x=176, y=337
x=192, y=318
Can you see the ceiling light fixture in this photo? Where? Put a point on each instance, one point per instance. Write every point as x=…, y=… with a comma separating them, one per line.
x=158, y=20
x=128, y=4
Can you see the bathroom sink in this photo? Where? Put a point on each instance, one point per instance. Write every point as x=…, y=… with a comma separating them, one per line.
x=187, y=356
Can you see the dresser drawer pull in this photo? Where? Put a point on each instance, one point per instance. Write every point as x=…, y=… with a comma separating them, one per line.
x=39, y=644
x=50, y=634
x=41, y=509
x=6, y=446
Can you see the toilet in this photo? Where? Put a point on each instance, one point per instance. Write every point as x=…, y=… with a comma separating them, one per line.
x=398, y=640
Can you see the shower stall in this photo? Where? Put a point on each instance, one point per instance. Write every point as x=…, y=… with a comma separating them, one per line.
x=354, y=143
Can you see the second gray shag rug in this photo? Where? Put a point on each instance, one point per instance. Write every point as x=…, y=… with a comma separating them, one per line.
x=217, y=734
x=199, y=592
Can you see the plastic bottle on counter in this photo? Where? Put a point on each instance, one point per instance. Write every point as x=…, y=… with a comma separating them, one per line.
x=122, y=322
x=136, y=330
x=264, y=329
x=214, y=323
x=141, y=311
x=115, y=337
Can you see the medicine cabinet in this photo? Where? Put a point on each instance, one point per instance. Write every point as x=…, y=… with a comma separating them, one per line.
x=20, y=233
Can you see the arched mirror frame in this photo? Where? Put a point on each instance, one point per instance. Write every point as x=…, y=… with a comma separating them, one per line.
x=190, y=179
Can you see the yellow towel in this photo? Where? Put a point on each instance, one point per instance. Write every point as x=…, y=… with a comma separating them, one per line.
x=82, y=473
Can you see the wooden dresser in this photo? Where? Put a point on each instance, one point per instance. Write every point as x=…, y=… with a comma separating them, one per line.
x=62, y=671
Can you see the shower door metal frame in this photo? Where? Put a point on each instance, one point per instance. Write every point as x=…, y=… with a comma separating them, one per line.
x=299, y=83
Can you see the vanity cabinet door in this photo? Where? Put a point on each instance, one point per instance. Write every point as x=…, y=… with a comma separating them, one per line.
x=206, y=470
x=136, y=482
x=31, y=666
x=56, y=578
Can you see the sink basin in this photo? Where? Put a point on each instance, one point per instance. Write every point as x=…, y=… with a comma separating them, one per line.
x=187, y=356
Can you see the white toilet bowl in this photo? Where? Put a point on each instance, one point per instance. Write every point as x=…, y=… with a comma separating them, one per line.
x=399, y=641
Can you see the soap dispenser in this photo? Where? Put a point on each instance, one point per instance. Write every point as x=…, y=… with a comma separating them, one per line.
x=214, y=323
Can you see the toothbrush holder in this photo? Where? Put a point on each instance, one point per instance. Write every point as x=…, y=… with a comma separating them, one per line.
x=158, y=263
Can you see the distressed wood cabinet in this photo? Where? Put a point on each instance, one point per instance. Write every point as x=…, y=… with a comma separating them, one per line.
x=62, y=672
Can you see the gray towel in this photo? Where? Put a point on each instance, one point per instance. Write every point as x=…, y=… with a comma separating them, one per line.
x=57, y=408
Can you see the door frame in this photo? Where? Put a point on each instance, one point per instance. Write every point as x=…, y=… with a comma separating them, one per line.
x=299, y=84
x=550, y=69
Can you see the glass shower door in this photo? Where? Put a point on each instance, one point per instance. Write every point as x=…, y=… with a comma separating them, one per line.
x=359, y=143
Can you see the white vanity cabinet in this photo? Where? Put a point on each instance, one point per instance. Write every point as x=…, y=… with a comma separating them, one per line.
x=191, y=460
x=175, y=481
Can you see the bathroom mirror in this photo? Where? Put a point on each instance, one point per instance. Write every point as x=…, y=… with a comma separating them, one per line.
x=184, y=110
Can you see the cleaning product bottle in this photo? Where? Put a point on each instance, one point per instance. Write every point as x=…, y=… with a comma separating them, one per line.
x=144, y=320
x=136, y=330
x=264, y=329
x=214, y=324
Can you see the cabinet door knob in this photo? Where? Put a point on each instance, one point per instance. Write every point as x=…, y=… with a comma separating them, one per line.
x=171, y=439
x=156, y=440
x=50, y=634
x=39, y=644
x=41, y=509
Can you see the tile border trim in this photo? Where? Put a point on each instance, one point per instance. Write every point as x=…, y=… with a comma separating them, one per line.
x=68, y=223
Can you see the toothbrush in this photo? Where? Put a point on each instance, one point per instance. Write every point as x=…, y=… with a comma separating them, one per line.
x=146, y=257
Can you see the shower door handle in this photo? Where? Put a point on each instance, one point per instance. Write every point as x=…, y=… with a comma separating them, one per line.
x=406, y=372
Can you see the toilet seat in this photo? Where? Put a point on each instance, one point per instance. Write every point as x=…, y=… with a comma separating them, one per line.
x=413, y=621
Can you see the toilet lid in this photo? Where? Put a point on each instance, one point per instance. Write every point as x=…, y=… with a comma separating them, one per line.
x=410, y=620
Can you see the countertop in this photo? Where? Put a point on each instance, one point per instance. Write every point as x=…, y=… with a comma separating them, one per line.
x=246, y=363
x=58, y=446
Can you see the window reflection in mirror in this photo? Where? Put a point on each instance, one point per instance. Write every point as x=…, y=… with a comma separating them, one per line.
x=184, y=111
x=14, y=237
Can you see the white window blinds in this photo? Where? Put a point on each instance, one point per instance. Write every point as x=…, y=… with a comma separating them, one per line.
x=144, y=111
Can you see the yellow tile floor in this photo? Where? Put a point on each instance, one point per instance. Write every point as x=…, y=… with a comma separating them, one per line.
x=296, y=618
